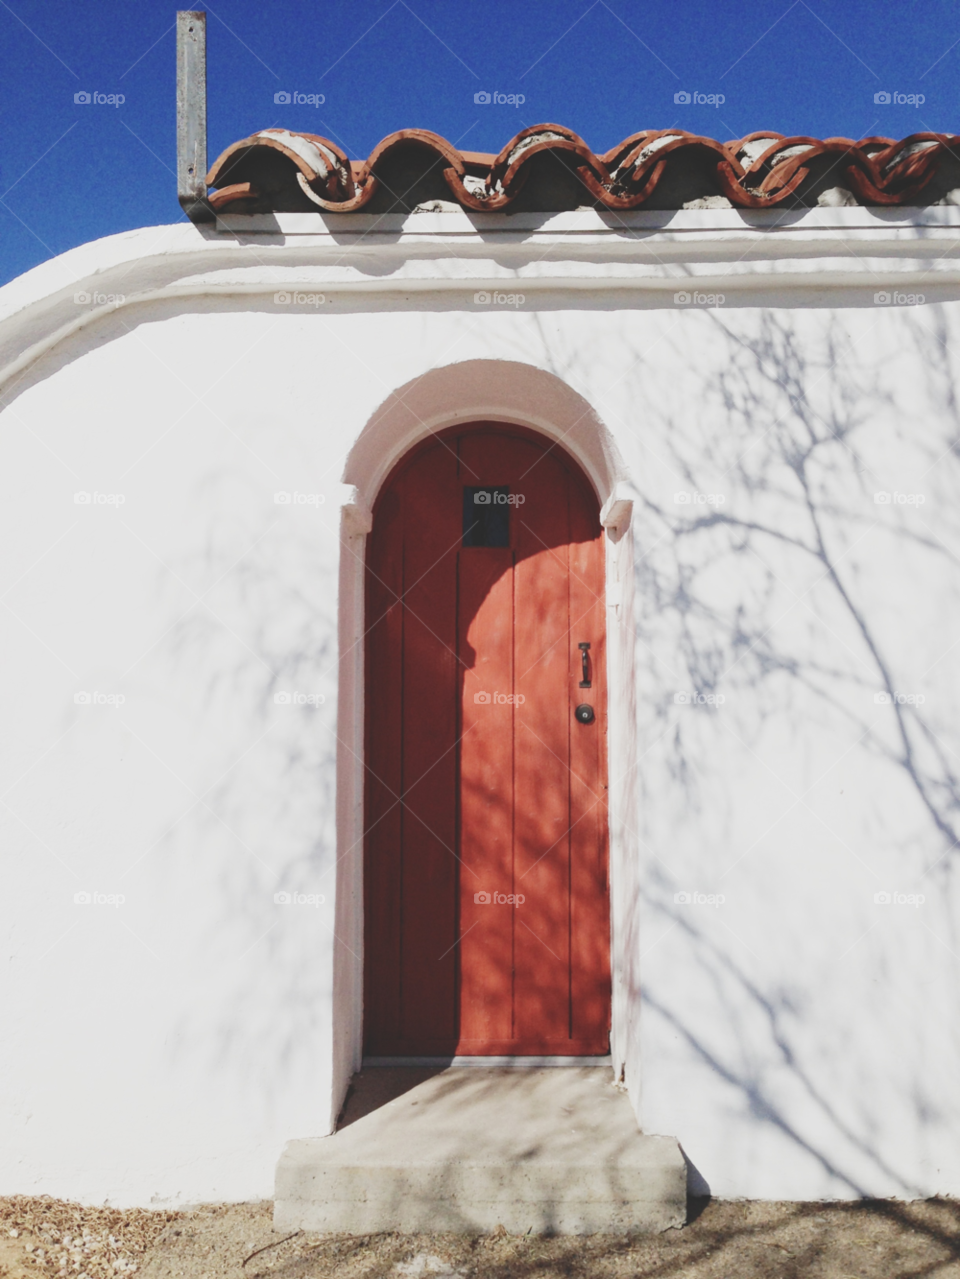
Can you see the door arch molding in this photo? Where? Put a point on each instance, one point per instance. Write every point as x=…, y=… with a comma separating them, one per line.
x=523, y=395
x=483, y=391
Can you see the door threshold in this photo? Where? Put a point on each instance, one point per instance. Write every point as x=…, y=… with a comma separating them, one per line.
x=514, y=1063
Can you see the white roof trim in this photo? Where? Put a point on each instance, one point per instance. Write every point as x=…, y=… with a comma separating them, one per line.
x=642, y=258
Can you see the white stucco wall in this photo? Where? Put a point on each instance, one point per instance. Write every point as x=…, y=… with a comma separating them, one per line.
x=799, y=1039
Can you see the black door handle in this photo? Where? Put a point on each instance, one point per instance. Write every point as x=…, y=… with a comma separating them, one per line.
x=584, y=649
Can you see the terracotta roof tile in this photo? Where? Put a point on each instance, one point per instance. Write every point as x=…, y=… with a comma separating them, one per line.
x=548, y=168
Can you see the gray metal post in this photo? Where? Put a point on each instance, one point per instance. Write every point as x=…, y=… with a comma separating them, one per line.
x=192, y=115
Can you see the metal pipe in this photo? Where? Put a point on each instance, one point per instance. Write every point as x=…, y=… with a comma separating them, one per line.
x=192, y=116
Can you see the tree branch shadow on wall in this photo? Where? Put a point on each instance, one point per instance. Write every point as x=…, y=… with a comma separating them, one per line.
x=801, y=460
x=819, y=613
x=255, y=648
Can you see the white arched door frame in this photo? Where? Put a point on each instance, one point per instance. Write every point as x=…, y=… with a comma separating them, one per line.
x=520, y=394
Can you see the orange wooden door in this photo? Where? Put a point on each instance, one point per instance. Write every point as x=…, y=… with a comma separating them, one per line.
x=486, y=893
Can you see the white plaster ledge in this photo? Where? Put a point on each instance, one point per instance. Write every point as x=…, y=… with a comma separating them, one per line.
x=357, y=513
x=617, y=511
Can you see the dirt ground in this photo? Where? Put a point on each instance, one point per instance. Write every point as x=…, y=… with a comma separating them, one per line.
x=871, y=1240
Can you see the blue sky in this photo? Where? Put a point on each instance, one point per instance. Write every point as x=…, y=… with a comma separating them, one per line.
x=71, y=172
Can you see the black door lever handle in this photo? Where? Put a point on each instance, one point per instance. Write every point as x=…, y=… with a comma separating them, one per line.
x=584, y=649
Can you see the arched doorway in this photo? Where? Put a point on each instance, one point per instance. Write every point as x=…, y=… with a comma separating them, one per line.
x=486, y=851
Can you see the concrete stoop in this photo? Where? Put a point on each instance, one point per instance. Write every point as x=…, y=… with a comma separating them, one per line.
x=553, y=1150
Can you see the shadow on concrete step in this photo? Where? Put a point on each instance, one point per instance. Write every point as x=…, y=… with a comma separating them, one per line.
x=475, y=1149
x=377, y=1086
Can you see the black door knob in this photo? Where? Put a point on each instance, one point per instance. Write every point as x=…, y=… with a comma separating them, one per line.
x=584, y=713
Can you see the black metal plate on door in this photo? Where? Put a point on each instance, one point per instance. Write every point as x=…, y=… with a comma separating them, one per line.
x=486, y=515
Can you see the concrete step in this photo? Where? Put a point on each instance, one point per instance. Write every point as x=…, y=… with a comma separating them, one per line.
x=465, y=1149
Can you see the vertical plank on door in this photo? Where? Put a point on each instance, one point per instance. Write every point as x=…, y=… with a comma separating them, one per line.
x=542, y=730
x=431, y=685
x=486, y=622
x=589, y=895
x=383, y=811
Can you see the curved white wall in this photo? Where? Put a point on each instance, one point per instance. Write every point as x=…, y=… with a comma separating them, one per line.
x=799, y=1038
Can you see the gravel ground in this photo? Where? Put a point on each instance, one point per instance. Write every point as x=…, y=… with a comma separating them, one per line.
x=873, y=1240
x=65, y=1239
